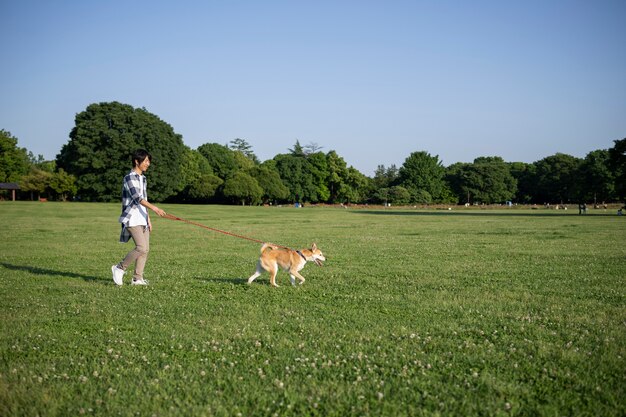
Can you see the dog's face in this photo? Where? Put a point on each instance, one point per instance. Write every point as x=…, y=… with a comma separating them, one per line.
x=317, y=255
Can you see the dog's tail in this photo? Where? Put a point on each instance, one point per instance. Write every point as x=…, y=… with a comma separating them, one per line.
x=267, y=246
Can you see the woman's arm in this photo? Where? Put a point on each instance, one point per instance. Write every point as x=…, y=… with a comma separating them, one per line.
x=152, y=207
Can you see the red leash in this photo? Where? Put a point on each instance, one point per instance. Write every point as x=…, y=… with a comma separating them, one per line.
x=172, y=217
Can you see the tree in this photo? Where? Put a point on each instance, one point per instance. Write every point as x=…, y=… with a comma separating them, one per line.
x=36, y=181
x=221, y=159
x=243, y=162
x=14, y=161
x=357, y=187
x=345, y=184
x=420, y=196
x=597, y=180
x=494, y=182
x=337, y=175
x=318, y=169
x=244, y=188
x=269, y=180
x=101, y=145
x=460, y=179
x=556, y=178
x=382, y=195
x=312, y=148
x=304, y=175
x=399, y=195
x=63, y=184
x=617, y=162
x=204, y=187
x=525, y=175
x=297, y=149
x=385, y=177
x=421, y=171
x=198, y=182
x=294, y=172
x=193, y=166
x=241, y=145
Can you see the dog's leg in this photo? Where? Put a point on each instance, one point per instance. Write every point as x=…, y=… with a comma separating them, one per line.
x=292, y=279
x=296, y=274
x=258, y=272
x=273, y=271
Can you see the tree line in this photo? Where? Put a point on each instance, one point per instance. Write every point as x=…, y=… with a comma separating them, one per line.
x=89, y=167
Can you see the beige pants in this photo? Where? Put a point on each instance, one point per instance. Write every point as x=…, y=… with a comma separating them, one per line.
x=139, y=255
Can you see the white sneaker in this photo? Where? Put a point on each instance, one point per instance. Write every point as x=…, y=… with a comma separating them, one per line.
x=139, y=282
x=118, y=275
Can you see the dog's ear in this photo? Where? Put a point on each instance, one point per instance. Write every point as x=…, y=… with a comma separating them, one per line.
x=314, y=247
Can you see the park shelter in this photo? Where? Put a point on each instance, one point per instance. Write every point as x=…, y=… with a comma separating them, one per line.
x=10, y=186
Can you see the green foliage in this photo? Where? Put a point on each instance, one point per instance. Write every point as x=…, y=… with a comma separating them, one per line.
x=597, y=180
x=385, y=177
x=556, y=179
x=193, y=165
x=41, y=182
x=424, y=172
x=617, y=162
x=242, y=162
x=420, y=196
x=63, y=184
x=36, y=181
x=488, y=180
x=221, y=159
x=198, y=183
x=473, y=313
x=204, y=188
x=242, y=146
x=524, y=175
x=295, y=172
x=337, y=175
x=270, y=182
x=357, y=188
x=398, y=195
x=243, y=188
x=459, y=177
x=297, y=150
x=105, y=134
x=102, y=142
x=14, y=161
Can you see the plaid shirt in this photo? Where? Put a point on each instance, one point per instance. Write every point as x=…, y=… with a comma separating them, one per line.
x=132, y=194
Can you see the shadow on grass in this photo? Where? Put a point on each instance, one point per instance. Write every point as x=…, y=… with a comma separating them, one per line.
x=49, y=272
x=534, y=213
x=238, y=281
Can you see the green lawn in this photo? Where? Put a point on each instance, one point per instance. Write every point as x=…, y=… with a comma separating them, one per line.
x=416, y=312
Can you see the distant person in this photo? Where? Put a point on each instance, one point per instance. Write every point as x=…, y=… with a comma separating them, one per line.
x=135, y=219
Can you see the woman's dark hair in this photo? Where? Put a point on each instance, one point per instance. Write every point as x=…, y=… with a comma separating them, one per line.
x=140, y=155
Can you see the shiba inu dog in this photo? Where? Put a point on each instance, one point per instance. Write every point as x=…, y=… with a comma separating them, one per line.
x=292, y=261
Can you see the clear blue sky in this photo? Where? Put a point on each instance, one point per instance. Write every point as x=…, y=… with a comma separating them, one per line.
x=373, y=80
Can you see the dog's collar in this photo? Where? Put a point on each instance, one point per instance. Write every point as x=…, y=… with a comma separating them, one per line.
x=300, y=253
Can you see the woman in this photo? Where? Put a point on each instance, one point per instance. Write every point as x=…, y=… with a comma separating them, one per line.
x=135, y=219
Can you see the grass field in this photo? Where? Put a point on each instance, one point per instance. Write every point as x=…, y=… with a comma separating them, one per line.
x=416, y=312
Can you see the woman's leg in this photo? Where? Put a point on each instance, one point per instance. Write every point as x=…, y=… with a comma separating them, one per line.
x=139, y=255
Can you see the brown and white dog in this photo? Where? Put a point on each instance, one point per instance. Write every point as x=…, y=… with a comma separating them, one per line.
x=292, y=261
